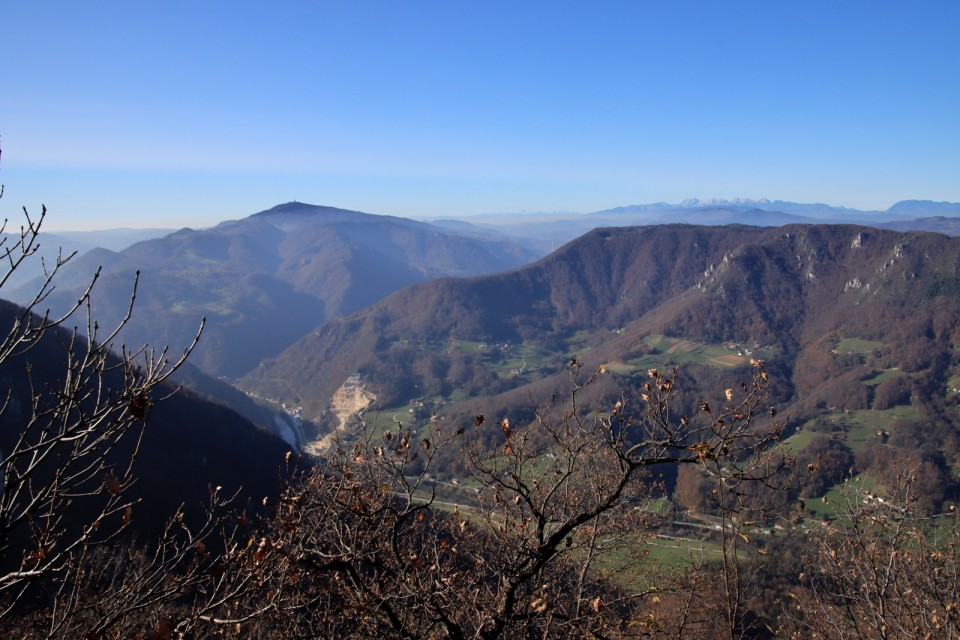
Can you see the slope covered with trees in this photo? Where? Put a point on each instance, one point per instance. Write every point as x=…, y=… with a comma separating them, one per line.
x=265, y=280
x=797, y=291
x=98, y=449
x=858, y=327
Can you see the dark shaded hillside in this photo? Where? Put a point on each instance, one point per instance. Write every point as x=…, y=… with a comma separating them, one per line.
x=264, y=281
x=189, y=444
x=216, y=391
x=192, y=444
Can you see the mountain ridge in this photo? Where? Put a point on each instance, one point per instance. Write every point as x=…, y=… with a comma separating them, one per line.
x=785, y=287
x=245, y=275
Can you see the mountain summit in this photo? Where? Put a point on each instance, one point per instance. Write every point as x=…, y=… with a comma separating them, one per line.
x=265, y=280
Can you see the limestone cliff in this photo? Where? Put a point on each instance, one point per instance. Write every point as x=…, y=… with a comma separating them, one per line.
x=350, y=400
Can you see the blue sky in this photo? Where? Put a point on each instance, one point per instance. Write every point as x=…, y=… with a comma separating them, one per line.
x=186, y=113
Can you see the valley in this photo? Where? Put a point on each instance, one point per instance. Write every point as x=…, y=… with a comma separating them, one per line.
x=848, y=364
x=851, y=321
x=480, y=321
x=843, y=343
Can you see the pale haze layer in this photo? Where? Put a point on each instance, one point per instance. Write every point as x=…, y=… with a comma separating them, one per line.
x=186, y=113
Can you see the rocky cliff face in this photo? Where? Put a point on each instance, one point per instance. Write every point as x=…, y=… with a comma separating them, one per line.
x=349, y=401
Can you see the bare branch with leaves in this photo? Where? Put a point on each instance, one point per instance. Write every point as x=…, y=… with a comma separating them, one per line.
x=73, y=395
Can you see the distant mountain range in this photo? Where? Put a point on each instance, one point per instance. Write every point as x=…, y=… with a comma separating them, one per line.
x=265, y=280
x=816, y=210
x=547, y=231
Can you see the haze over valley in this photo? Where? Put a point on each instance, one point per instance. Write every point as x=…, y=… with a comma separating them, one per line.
x=309, y=306
x=327, y=330
x=490, y=321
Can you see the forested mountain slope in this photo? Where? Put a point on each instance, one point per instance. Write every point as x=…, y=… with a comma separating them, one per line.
x=848, y=318
x=265, y=280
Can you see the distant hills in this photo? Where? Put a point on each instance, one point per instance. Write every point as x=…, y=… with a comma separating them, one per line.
x=274, y=286
x=52, y=245
x=113, y=239
x=924, y=208
x=265, y=280
x=551, y=230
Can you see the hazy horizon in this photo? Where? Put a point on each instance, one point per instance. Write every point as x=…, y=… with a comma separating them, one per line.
x=171, y=115
x=493, y=217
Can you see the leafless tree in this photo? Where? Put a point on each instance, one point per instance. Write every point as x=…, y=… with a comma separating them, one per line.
x=550, y=548
x=61, y=489
x=884, y=569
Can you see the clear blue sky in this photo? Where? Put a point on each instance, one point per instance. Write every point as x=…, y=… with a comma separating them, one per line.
x=186, y=113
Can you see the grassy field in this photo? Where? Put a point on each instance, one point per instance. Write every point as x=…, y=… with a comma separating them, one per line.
x=665, y=351
x=835, y=498
x=578, y=341
x=863, y=424
x=856, y=345
x=530, y=360
x=459, y=395
x=953, y=383
x=799, y=441
x=883, y=376
x=382, y=419
x=386, y=418
x=672, y=552
x=525, y=360
x=855, y=429
x=470, y=346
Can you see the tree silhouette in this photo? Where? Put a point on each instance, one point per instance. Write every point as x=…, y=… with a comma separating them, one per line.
x=73, y=395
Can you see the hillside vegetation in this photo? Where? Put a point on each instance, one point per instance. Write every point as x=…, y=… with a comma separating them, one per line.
x=265, y=280
x=586, y=445
x=859, y=327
